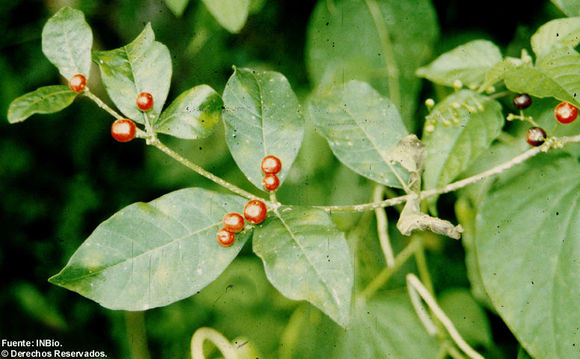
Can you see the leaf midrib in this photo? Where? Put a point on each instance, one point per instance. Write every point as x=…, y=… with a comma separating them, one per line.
x=132, y=259
x=293, y=236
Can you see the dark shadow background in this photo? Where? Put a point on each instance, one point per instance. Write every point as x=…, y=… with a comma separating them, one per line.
x=62, y=174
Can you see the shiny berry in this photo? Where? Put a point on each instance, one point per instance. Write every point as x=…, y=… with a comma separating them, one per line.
x=565, y=112
x=255, y=211
x=123, y=130
x=271, y=165
x=225, y=237
x=77, y=83
x=144, y=101
x=233, y=222
x=522, y=101
x=536, y=136
x=270, y=182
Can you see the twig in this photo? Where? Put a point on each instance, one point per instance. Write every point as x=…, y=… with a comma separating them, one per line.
x=136, y=335
x=102, y=105
x=416, y=289
x=203, y=334
x=554, y=142
x=387, y=272
x=382, y=227
x=187, y=163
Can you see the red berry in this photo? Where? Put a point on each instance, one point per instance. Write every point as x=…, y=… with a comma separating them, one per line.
x=522, y=101
x=271, y=165
x=255, y=211
x=270, y=182
x=123, y=130
x=144, y=101
x=233, y=222
x=536, y=136
x=565, y=112
x=77, y=83
x=225, y=237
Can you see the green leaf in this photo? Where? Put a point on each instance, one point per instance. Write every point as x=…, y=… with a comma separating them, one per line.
x=557, y=74
x=465, y=214
x=467, y=316
x=528, y=242
x=231, y=14
x=568, y=7
x=307, y=258
x=467, y=63
x=152, y=254
x=363, y=129
x=66, y=41
x=564, y=32
x=386, y=327
x=177, y=7
x=499, y=71
x=142, y=65
x=522, y=354
x=262, y=117
x=46, y=99
x=398, y=38
x=456, y=132
x=193, y=115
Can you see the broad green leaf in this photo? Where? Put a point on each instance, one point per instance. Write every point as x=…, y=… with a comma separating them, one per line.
x=456, y=132
x=522, y=354
x=177, y=7
x=307, y=258
x=398, y=38
x=568, y=7
x=466, y=214
x=565, y=32
x=66, y=41
x=152, y=254
x=467, y=316
x=194, y=114
x=499, y=71
x=467, y=63
x=144, y=65
x=231, y=14
x=386, y=327
x=46, y=99
x=528, y=245
x=262, y=117
x=363, y=129
x=557, y=74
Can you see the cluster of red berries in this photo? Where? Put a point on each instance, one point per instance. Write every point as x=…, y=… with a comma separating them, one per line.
x=271, y=166
x=564, y=112
x=123, y=130
x=254, y=212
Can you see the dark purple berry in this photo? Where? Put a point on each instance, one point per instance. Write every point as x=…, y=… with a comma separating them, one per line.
x=536, y=136
x=522, y=101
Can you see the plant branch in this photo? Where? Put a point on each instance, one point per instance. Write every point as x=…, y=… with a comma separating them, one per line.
x=196, y=168
x=382, y=227
x=136, y=335
x=417, y=292
x=382, y=278
x=554, y=142
x=203, y=334
x=102, y=105
x=387, y=47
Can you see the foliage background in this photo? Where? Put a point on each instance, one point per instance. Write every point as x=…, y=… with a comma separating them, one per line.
x=62, y=174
